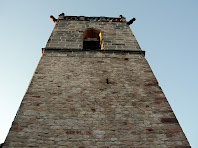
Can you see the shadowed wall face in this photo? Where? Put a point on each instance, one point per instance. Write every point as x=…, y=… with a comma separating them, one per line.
x=94, y=98
x=92, y=39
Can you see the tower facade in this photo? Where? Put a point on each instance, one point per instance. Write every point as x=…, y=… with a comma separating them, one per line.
x=94, y=88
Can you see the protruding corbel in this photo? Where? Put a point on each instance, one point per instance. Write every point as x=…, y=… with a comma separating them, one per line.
x=131, y=21
x=53, y=18
x=42, y=50
x=61, y=16
x=123, y=19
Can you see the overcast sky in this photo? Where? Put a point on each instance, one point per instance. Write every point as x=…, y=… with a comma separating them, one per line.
x=166, y=30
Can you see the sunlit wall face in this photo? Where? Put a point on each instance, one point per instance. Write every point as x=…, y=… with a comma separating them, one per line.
x=161, y=29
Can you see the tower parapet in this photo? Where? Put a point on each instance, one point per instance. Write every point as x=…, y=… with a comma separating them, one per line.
x=112, y=33
x=85, y=18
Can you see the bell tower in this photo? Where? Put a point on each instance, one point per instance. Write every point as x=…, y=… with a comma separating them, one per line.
x=93, y=87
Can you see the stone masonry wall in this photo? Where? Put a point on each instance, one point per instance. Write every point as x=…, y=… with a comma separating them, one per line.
x=95, y=100
x=69, y=34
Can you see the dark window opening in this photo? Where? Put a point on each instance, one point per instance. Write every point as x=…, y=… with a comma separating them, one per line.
x=92, y=39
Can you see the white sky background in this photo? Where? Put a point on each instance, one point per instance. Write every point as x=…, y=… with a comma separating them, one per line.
x=166, y=30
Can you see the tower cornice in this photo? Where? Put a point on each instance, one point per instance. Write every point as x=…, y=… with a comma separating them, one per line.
x=87, y=18
x=140, y=52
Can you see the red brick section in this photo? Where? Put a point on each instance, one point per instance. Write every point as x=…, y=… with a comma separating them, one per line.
x=169, y=120
x=151, y=84
x=70, y=132
x=36, y=96
x=169, y=135
x=173, y=130
x=182, y=146
x=157, y=102
x=16, y=127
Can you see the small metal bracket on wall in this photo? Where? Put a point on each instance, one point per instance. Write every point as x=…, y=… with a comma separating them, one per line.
x=107, y=81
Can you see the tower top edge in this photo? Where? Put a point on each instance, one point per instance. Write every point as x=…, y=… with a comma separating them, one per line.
x=62, y=16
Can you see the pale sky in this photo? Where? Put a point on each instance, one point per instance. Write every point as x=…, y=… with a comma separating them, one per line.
x=166, y=30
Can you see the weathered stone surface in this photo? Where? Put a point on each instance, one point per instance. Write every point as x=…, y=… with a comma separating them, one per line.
x=70, y=104
x=69, y=34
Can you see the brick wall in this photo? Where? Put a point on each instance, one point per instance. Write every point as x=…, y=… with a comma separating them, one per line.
x=69, y=34
x=98, y=98
x=70, y=104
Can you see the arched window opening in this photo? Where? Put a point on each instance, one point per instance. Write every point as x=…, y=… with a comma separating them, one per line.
x=93, y=39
